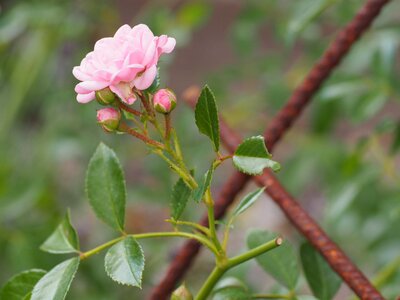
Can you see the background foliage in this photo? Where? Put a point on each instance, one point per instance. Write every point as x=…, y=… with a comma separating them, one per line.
x=341, y=159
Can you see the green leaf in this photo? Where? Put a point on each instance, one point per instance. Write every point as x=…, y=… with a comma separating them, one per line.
x=193, y=14
x=323, y=282
x=21, y=285
x=105, y=187
x=280, y=263
x=28, y=296
x=306, y=12
x=124, y=262
x=206, y=116
x=342, y=89
x=396, y=140
x=55, y=284
x=231, y=293
x=64, y=239
x=247, y=201
x=251, y=157
x=180, y=196
x=305, y=297
x=230, y=288
x=201, y=190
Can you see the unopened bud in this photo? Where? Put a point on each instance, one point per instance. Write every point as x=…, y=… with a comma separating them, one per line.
x=164, y=101
x=109, y=118
x=105, y=96
x=181, y=293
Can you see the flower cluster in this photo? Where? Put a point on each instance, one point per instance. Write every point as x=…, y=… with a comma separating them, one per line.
x=121, y=63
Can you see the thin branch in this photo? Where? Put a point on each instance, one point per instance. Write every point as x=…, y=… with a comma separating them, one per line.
x=279, y=125
x=123, y=127
x=129, y=109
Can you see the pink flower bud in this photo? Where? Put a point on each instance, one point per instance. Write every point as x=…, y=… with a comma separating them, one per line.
x=164, y=101
x=109, y=118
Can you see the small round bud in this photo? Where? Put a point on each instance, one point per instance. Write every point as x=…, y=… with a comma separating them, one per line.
x=164, y=101
x=105, y=96
x=109, y=118
x=181, y=293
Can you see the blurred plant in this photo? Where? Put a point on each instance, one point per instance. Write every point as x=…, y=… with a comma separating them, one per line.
x=355, y=172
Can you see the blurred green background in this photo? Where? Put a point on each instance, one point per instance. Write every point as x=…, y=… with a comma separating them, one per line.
x=340, y=159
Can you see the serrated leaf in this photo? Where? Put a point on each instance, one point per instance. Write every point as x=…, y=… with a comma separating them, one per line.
x=21, y=285
x=280, y=263
x=180, y=196
x=252, y=156
x=124, y=262
x=323, y=282
x=105, y=187
x=204, y=185
x=206, y=116
x=64, y=239
x=55, y=284
x=247, y=201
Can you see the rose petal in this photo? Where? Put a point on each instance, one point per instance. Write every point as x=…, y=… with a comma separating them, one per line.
x=124, y=91
x=82, y=76
x=85, y=98
x=146, y=79
x=90, y=86
x=123, y=31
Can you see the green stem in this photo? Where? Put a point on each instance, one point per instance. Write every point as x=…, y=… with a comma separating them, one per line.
x=167, y=119
x=139, y=125
x=145, y=99
x=237, y=260
x=178, y=151
x=196, y=226
x=100, y=248
x=154, y=121
x=125, y=107
x=197, y=237
x=181, y=172
x=139, y=236
x=146, y=104
x=214, y=277
x=386, y=273
x=226, y=235
x=125, y=128
x=211, y=219
x=220, y=269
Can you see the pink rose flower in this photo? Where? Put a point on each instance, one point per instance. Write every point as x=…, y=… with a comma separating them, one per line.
x=109, y=118
x=125, y=61
x=164, y=101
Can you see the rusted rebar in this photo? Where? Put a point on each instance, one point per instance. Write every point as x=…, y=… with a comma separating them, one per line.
x=278, y=126
x=336, y=51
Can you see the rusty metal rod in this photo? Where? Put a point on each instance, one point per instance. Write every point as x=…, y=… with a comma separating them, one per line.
x=284, y=119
